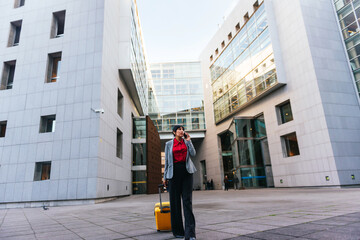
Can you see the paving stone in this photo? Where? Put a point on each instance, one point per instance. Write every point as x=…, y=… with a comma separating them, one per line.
x=106, y=237
x=25, y=237
x=243, y=238
x=269, y=236
x=139, y=232
x=333, y=236
x=214, y=235
x=218, y=215
x=237, y=231
x=161, y=236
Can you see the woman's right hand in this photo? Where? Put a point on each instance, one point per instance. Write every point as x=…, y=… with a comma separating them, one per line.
x=165, y=183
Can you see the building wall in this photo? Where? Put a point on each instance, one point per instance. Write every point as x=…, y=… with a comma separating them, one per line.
x=294, y=48
x=73, y=147
x=82, y=150
x=337, y=91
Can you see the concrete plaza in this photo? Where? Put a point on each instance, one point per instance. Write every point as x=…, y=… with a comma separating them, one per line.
x=311, y=213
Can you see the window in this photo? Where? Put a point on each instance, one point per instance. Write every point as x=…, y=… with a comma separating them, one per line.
x=256, y=5
x=19, y=3
x=237, y=27
x=246, y=17
x=7, y=78
x=2, y=128
x=211, y=58
x=155, y=73
x=229, y=36
x=14, y=37
x=284, y=112
x=290, y=145
x=58, y=24
x=47, y=124
x=119, y=140
x=42, y=171
x=139, y=154
x=120, y=104
x=223, y=44
x=54, y=64
x=217, y=51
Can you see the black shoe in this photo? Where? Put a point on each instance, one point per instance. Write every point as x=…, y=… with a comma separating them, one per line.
x=192, y=238
x=178, y=236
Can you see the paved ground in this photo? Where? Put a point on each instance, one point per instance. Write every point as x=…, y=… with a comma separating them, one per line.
x=323, y=213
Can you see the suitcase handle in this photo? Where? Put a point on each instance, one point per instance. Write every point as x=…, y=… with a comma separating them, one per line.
x=160, y=186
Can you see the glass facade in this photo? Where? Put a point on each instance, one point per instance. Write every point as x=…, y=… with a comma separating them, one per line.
x=137, y=60
x=178, y=91
x=245, y=152
x=245, y=69
x=348, y=12
x=139, y=180
x=139, y=128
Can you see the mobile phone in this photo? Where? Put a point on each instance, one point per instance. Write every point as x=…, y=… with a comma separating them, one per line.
x=185, y=135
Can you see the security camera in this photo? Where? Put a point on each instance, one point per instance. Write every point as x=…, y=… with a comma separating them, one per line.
x=99, y=110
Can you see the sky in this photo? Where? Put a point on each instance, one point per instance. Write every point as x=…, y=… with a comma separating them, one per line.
x=178, y=30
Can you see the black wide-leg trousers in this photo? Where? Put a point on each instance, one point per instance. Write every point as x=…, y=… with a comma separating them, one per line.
x=180, y=186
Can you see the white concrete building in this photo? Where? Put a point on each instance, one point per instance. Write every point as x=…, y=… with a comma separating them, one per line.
x=281, y=106
x=79, y=64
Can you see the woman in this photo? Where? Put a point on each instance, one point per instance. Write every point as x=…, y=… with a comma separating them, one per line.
x=178, y=175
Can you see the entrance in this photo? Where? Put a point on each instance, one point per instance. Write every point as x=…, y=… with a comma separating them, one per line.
x=250, y=153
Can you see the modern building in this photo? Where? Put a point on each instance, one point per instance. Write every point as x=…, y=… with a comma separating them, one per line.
x=348, y=13
x=281, y=105
x=178, y=99
x=74, y=81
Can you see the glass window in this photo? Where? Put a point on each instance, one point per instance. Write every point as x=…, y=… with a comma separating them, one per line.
x=358, y=86
x=344, y=11
x=139, y=154
x=341, y=3
x=355, y=63
x=290, y=145
x=54, y=65
x=58, y=24
x=3, y=128
x=355, y=51
x=19, y=3
x=15, y=30
x=350, y=42
x=119, y=143
x=7, y=79
x=120, y=104
x=253, y=177
x=356, y=3
x=347, y=20
x=139, y=128
x=139, y=182
x=47, y=124
x=42, y=171
x=285, y=112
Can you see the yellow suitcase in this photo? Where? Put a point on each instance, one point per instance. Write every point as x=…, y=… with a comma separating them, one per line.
x=162, y=214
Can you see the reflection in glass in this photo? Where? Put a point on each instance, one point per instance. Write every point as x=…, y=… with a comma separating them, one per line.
x=245, y=69
x=179, y=95
x=139, y=154
x=139, y=128
x=291, y=144
x=139, y=182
